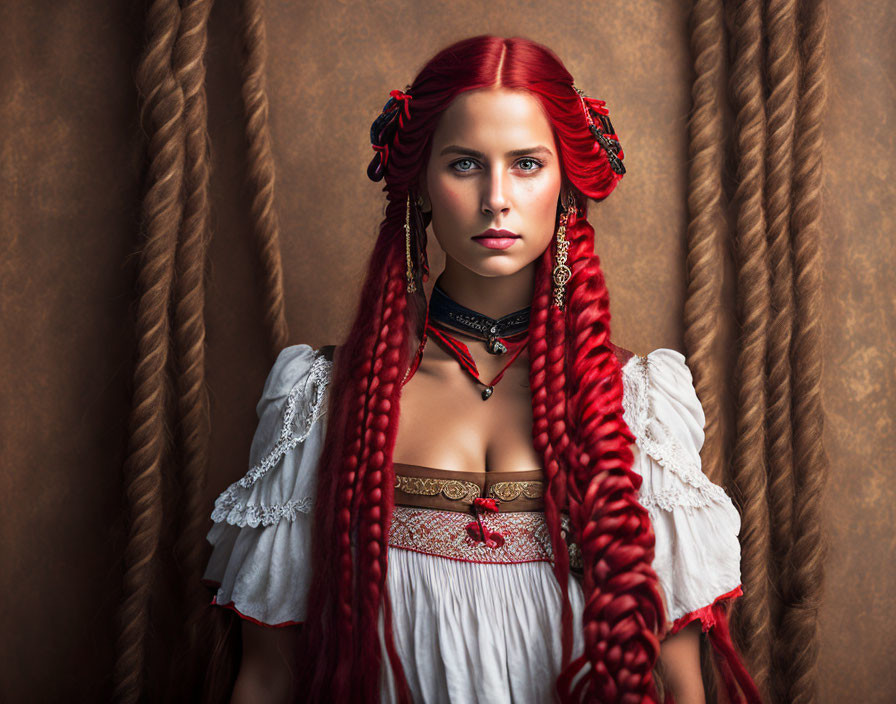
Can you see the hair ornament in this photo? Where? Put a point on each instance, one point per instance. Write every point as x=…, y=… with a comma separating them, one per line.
x=395, y=112
x=605, y=135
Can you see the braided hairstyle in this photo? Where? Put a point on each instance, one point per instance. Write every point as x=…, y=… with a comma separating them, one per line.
x=578, y=429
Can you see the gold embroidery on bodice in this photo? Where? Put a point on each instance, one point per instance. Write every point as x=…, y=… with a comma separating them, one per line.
x=453, y=489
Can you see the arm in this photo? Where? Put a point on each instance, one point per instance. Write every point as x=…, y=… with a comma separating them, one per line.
x=695, y=523
x=261, y=537
x=680, y=665
x=268, y=667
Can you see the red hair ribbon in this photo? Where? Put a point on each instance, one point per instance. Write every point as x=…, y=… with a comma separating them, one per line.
x=404, y=99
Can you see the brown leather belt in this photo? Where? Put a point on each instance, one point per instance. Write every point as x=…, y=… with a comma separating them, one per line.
x=448, y=490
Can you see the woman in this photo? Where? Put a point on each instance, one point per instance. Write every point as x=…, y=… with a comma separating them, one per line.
x=407, y=500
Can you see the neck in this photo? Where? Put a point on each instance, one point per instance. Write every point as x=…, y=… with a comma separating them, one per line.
x=494, y=296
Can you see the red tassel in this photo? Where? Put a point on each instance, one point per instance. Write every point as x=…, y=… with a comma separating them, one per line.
x=486, y=504
x=738, y=683
x=481, y=534
x=494, y=539
x=474, y=531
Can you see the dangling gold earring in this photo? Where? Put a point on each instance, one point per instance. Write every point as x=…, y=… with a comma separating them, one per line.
x=412, y=284
x=561, y=272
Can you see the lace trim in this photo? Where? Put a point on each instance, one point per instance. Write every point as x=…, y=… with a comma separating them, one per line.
x=672, y=498
x=444, y=534
x=298, y=419
x=665, y=449
x=255, y=515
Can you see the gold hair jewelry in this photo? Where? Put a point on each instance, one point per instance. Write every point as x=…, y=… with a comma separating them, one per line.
x=412, y=285
x=561, y=272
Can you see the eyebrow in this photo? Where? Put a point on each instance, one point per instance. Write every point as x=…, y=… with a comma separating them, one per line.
x=455, y=149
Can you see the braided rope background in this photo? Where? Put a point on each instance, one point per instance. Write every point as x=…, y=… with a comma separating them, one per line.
x=771, y=55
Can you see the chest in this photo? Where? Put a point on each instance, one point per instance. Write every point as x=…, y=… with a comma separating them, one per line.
x=445, y=423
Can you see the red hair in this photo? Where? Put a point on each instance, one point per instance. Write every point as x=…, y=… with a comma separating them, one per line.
x=578, y=429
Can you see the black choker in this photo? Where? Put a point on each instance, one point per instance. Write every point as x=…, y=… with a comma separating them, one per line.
x=446, y=311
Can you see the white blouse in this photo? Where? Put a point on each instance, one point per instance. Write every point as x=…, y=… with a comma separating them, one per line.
x=469, y=629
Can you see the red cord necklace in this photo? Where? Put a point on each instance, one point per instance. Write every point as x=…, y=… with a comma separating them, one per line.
x=515, y=342
x=461, y=353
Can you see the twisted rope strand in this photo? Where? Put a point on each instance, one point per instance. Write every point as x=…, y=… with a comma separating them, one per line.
x=189, y=304
x=260, y=172
x=161, y=111
x=706, y=226
x=751, y=611
x=802, y=593
x=782, y=78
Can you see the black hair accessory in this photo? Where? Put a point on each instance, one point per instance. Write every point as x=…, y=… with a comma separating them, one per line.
x=605, y=135
x=395, y=112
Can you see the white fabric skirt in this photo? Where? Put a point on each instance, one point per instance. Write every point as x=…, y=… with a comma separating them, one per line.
x=470, y=632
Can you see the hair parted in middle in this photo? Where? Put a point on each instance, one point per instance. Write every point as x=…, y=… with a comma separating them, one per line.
x=576, y=387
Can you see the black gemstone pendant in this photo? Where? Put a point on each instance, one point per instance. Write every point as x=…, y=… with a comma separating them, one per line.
x=495, y=346
x=486, y=392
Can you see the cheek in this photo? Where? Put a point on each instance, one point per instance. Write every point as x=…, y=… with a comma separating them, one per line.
x=543, y=200
x=452, y=200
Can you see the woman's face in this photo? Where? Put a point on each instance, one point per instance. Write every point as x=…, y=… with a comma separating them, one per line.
x=493, y=165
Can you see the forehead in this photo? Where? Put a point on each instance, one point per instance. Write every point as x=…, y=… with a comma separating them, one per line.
x=494, y=119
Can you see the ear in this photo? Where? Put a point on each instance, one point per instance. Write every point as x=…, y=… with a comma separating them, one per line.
x=567, y=195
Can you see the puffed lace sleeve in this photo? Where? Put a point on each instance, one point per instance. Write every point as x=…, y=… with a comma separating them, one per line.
x=697, y=554
x=261, y=533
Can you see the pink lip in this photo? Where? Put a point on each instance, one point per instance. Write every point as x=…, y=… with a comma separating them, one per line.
x=497, y=239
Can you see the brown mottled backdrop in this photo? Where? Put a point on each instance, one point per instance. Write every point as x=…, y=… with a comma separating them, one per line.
x=71, y=186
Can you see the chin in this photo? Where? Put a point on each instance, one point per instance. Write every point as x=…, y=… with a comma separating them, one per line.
x=496, y=267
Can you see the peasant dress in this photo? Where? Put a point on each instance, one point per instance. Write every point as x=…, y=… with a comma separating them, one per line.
x=471, y=622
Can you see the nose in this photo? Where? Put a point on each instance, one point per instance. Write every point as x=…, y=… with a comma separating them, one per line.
x=494, y=197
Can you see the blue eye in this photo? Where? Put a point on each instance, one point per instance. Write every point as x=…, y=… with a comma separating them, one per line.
x=462, y=161
x=535, y=163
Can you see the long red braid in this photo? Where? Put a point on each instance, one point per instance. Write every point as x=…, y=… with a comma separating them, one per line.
x=578, y=428
x=354, y=505
x=623, y=613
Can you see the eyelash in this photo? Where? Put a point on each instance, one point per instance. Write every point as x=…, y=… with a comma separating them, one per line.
x=538, y=164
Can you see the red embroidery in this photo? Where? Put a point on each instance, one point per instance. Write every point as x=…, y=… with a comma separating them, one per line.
x=516, y=536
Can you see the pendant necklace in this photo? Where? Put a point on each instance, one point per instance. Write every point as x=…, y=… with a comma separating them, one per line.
x=508, y=333
x=450, y=313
